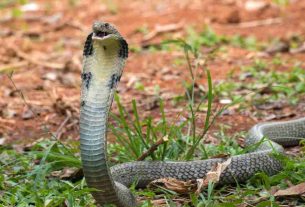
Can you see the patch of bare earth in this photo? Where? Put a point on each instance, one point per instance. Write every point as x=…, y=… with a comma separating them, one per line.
x=44, y=47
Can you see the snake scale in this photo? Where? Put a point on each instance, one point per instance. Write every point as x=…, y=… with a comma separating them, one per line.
x=105, y=53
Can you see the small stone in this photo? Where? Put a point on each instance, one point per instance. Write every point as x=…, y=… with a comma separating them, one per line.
x=69, y=80
x=9, y=113
x=225, y=101
x=50, y=76
x=252, y=5
x=2, y=141
x=30, y=7
x=27, y=114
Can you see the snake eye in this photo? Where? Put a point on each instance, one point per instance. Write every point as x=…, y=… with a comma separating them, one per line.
x=101, y=34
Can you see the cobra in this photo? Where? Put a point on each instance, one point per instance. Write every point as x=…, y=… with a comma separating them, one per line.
x=105, y=53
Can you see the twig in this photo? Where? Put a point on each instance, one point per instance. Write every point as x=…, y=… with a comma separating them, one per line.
x=258, y=23
x=75, y=122
x=12, y=66
x=32, y=60
x=76, y=25
x=153, y=148
x=46, y=129
x=161, y=29
x=58, y=132
x=7, y=121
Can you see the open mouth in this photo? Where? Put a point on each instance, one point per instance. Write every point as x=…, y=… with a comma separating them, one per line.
x=101, y=34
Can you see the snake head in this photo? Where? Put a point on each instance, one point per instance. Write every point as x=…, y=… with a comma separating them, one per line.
x=105, y=34
x=104, y=31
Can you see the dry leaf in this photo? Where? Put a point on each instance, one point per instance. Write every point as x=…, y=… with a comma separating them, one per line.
x=300, y=49
x=8, y=68
x=131, y=81
x=291, y=191
x=278, y=105
x=280, y=116
x=68, y=174
x=211, y=139
x=173, y=184
x=163, y=202
x=159, y=202
x=293, y=151
x=212, y=176
x=282, y=46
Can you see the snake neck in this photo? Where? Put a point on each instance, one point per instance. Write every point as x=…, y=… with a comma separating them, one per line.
x=102, y=69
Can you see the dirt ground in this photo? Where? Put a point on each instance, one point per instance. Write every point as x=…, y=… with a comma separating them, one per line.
x=42, y=41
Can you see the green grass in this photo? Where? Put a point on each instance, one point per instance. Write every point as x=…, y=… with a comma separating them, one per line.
x=8, y=3
x=208, y=38
x=26, y=182
x=26, y=178
x=281, y=2
x=264, y=84
x=143, y=133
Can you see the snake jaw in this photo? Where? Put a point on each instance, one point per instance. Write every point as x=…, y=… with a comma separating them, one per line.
x=107, y=34
x=103, y=36
x=104, y=30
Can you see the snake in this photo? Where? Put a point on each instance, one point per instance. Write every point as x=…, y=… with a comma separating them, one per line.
x=104, y=56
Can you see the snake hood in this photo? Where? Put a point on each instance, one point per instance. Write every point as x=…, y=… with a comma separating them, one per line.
x=104, y=56
x=105, y=52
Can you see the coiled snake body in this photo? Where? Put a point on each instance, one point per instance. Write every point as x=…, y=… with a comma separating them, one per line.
x=105, y=53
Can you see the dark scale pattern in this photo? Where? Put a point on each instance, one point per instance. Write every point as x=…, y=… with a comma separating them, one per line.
x=123, y=52
x=114, y=80
x=241, y=168
x=86, y=77
x=88, y=48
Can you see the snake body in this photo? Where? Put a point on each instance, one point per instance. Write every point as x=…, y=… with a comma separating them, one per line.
x=105, y=53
